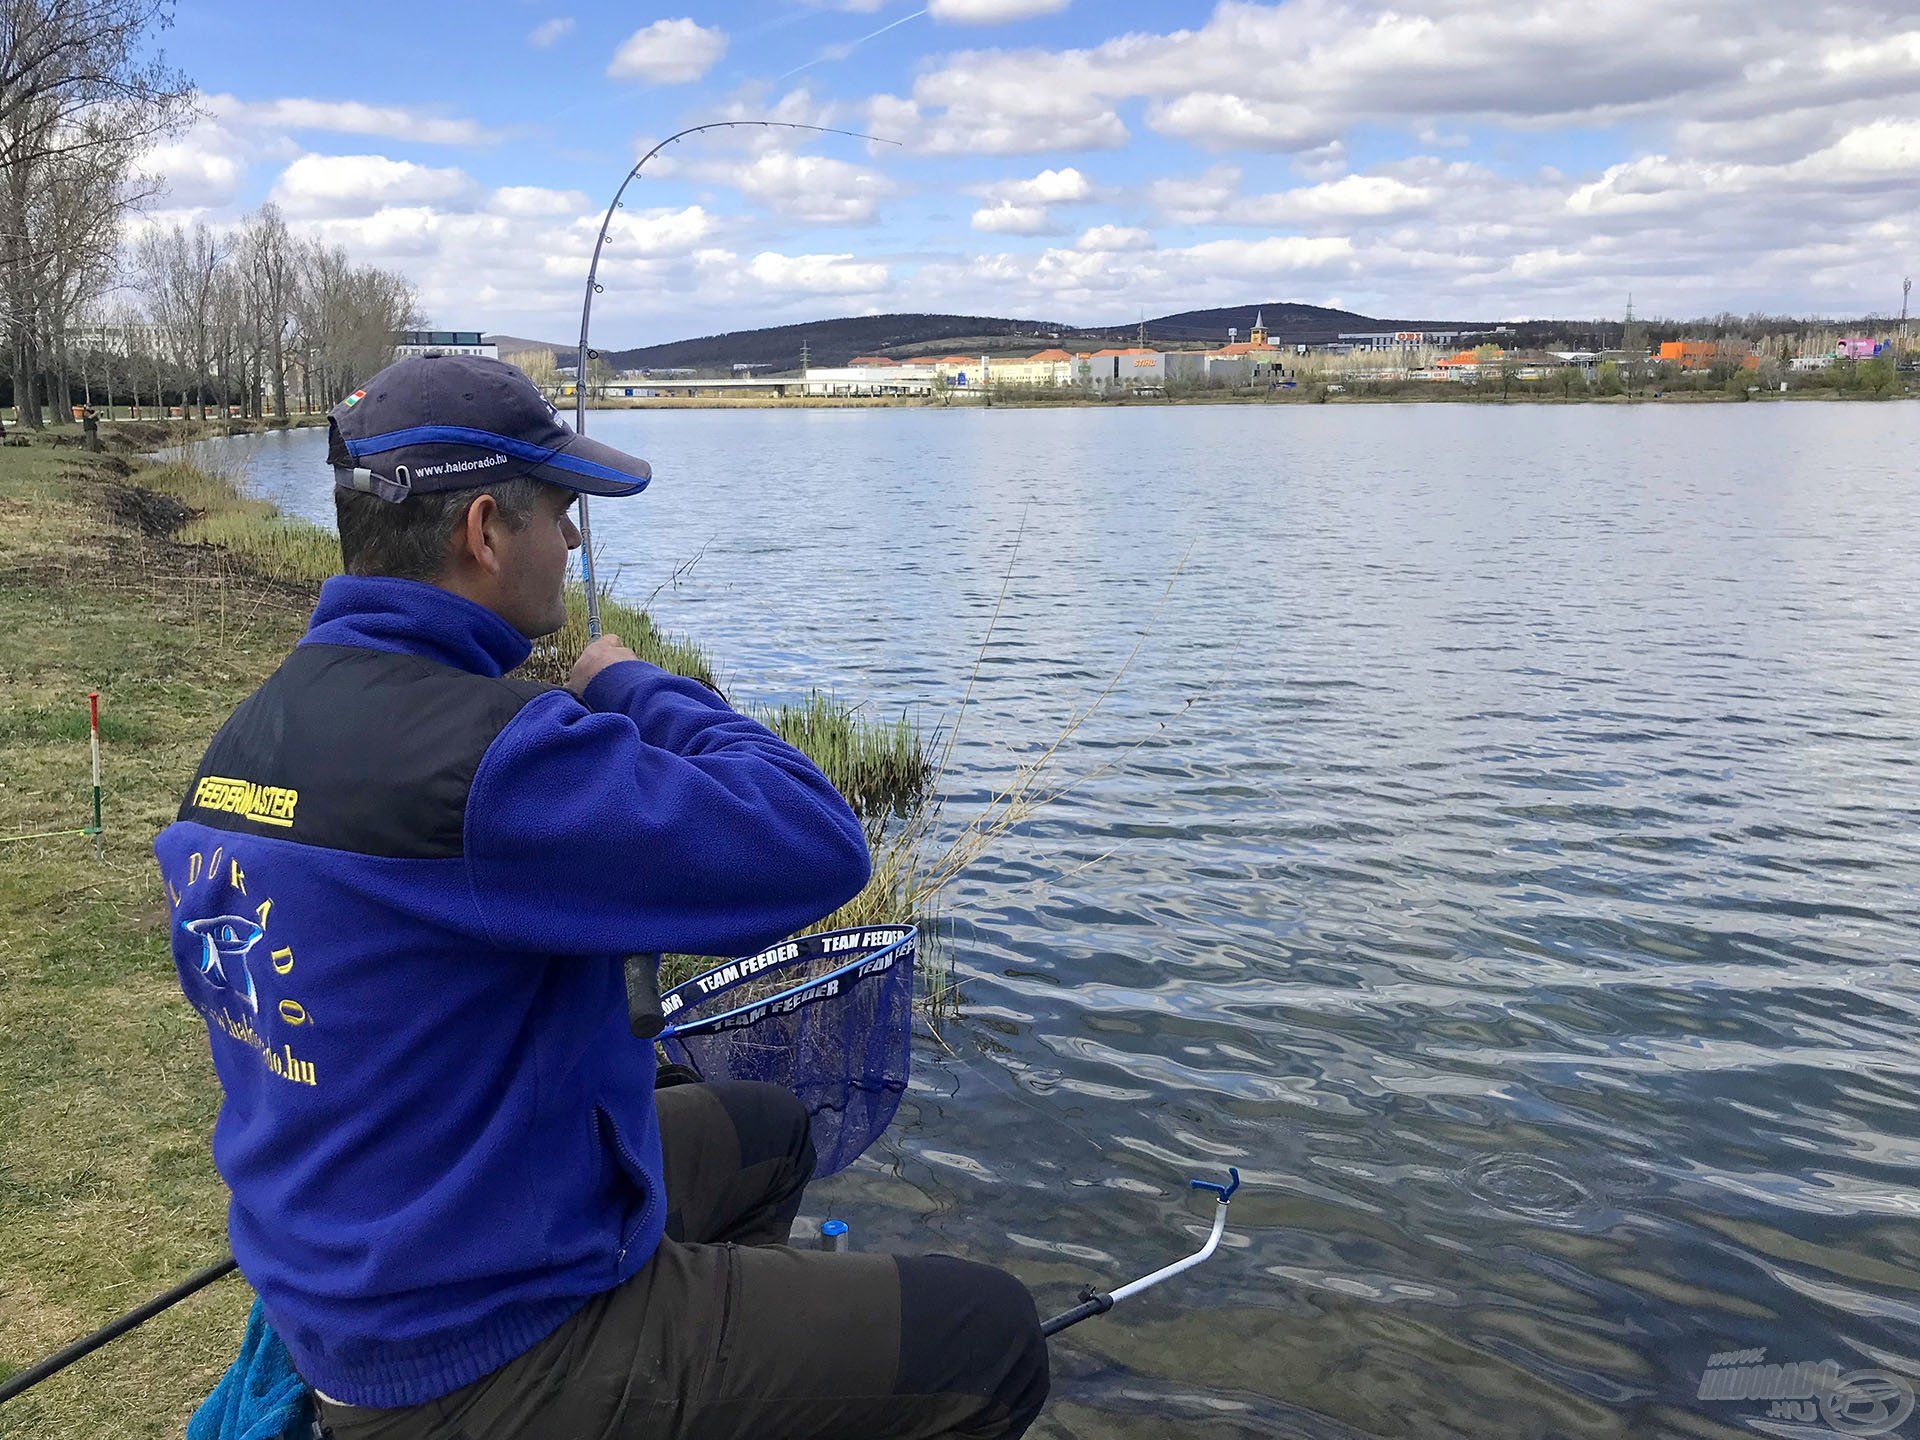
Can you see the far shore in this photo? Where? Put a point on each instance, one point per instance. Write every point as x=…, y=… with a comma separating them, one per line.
x=191, y=426
x=1451, y=396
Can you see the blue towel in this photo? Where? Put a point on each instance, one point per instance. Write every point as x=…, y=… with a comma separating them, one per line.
x=260, y=1397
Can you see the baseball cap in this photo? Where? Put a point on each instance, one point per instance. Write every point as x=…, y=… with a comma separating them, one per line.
x=456, y=422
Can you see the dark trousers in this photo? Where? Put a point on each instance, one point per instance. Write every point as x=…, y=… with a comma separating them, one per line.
x=727, y=1333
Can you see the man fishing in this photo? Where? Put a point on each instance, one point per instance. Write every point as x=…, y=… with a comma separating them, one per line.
x=402, y=886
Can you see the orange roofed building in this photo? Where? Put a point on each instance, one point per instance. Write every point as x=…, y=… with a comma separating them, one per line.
x=1688, y=354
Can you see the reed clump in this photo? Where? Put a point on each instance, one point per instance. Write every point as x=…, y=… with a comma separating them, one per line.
x=289, y=550
x=880, y=767
x=554, y=655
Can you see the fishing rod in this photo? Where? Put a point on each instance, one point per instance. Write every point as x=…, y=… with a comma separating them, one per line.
x=594, y=287
x=1092, y=1302
x=644, y=1017
x=113, y=1330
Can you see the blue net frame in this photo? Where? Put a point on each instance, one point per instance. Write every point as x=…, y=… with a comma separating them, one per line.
x=828, y=1017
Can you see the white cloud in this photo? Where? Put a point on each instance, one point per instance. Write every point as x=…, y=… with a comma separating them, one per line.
x=1868, y=173
x=668, y=52
x=1750, y=154
x=1106, y=239
x=1882, y=150
x=1196, y=199
x=202, y=169
x=1352, y=198
x=991, y=12
x=809, y=188
x=1298, y=74
x=1006, y=218
x=1021, y=207
x=1037, y=126
x=347, y=117
x=817, y=274
x=534, y=200
x=1232, y=122
x=548, y=32
x=319, y=185
x=1275, y=256
x=1049, y=187
x=650, y=233
x=1096, y=283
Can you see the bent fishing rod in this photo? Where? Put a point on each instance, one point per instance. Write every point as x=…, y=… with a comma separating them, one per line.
x=645, y=1019
x=594, y=287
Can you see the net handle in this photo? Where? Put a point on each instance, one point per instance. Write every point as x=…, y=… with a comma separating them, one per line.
x=865, y=957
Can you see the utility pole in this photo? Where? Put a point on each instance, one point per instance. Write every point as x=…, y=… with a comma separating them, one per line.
x=1906, y=289
x=803, y=358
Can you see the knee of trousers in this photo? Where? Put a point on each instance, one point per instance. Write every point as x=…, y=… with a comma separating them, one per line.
x=770, y=1121
x=969, y=1329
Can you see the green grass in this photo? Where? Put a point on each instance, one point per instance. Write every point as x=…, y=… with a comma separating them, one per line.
x=68, y=721
x=107, y=1194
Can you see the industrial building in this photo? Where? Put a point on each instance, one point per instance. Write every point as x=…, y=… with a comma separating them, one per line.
x=443, y=342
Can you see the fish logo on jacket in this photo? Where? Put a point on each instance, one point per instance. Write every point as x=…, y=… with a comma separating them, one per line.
x=224, y=940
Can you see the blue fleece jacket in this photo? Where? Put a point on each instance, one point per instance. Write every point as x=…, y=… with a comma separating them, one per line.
x=439, y=1135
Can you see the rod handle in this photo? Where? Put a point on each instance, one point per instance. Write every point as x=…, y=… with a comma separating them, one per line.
x=645, y=1018
x=1094, y=1303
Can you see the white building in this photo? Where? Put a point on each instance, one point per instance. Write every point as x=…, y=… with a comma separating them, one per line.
x=443, y=342
x=869, y=380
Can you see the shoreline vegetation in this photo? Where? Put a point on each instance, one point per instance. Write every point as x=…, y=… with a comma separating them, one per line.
x=167, y=590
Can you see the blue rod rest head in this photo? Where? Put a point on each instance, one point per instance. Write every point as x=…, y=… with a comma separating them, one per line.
x=1224, y=1192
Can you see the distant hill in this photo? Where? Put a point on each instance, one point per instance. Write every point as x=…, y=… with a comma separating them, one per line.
x=902, y=337
x=831, y=342
x=1287, y=322
x=512, y=345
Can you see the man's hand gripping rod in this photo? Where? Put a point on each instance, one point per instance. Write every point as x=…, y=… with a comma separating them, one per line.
x=1095, y=1302
x=643, y=983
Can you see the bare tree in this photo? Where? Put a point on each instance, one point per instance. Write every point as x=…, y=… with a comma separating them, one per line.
x=78, y=98
x=540, y=368
x=178, y=270
x=268, y=257
x=347, y=315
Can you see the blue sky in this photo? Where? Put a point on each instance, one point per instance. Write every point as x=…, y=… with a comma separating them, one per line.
x=1060, y=159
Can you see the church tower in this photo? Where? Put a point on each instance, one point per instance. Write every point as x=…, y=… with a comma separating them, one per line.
x=1258, y=335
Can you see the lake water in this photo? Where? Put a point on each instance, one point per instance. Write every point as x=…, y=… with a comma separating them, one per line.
x=1504, y=848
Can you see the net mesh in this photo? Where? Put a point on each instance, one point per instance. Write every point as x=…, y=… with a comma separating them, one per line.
x=828, y=1017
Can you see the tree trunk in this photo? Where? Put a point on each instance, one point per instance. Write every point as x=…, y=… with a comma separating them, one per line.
x=26, y=384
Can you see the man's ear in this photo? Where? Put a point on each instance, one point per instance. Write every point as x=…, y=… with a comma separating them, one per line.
x=476, y=541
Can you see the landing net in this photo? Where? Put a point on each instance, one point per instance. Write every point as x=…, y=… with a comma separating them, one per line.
x=828, y=1017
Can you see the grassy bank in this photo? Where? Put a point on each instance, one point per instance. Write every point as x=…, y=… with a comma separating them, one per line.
x=171, y=595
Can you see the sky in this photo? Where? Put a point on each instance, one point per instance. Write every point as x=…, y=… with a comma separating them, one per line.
x=1075, y=161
